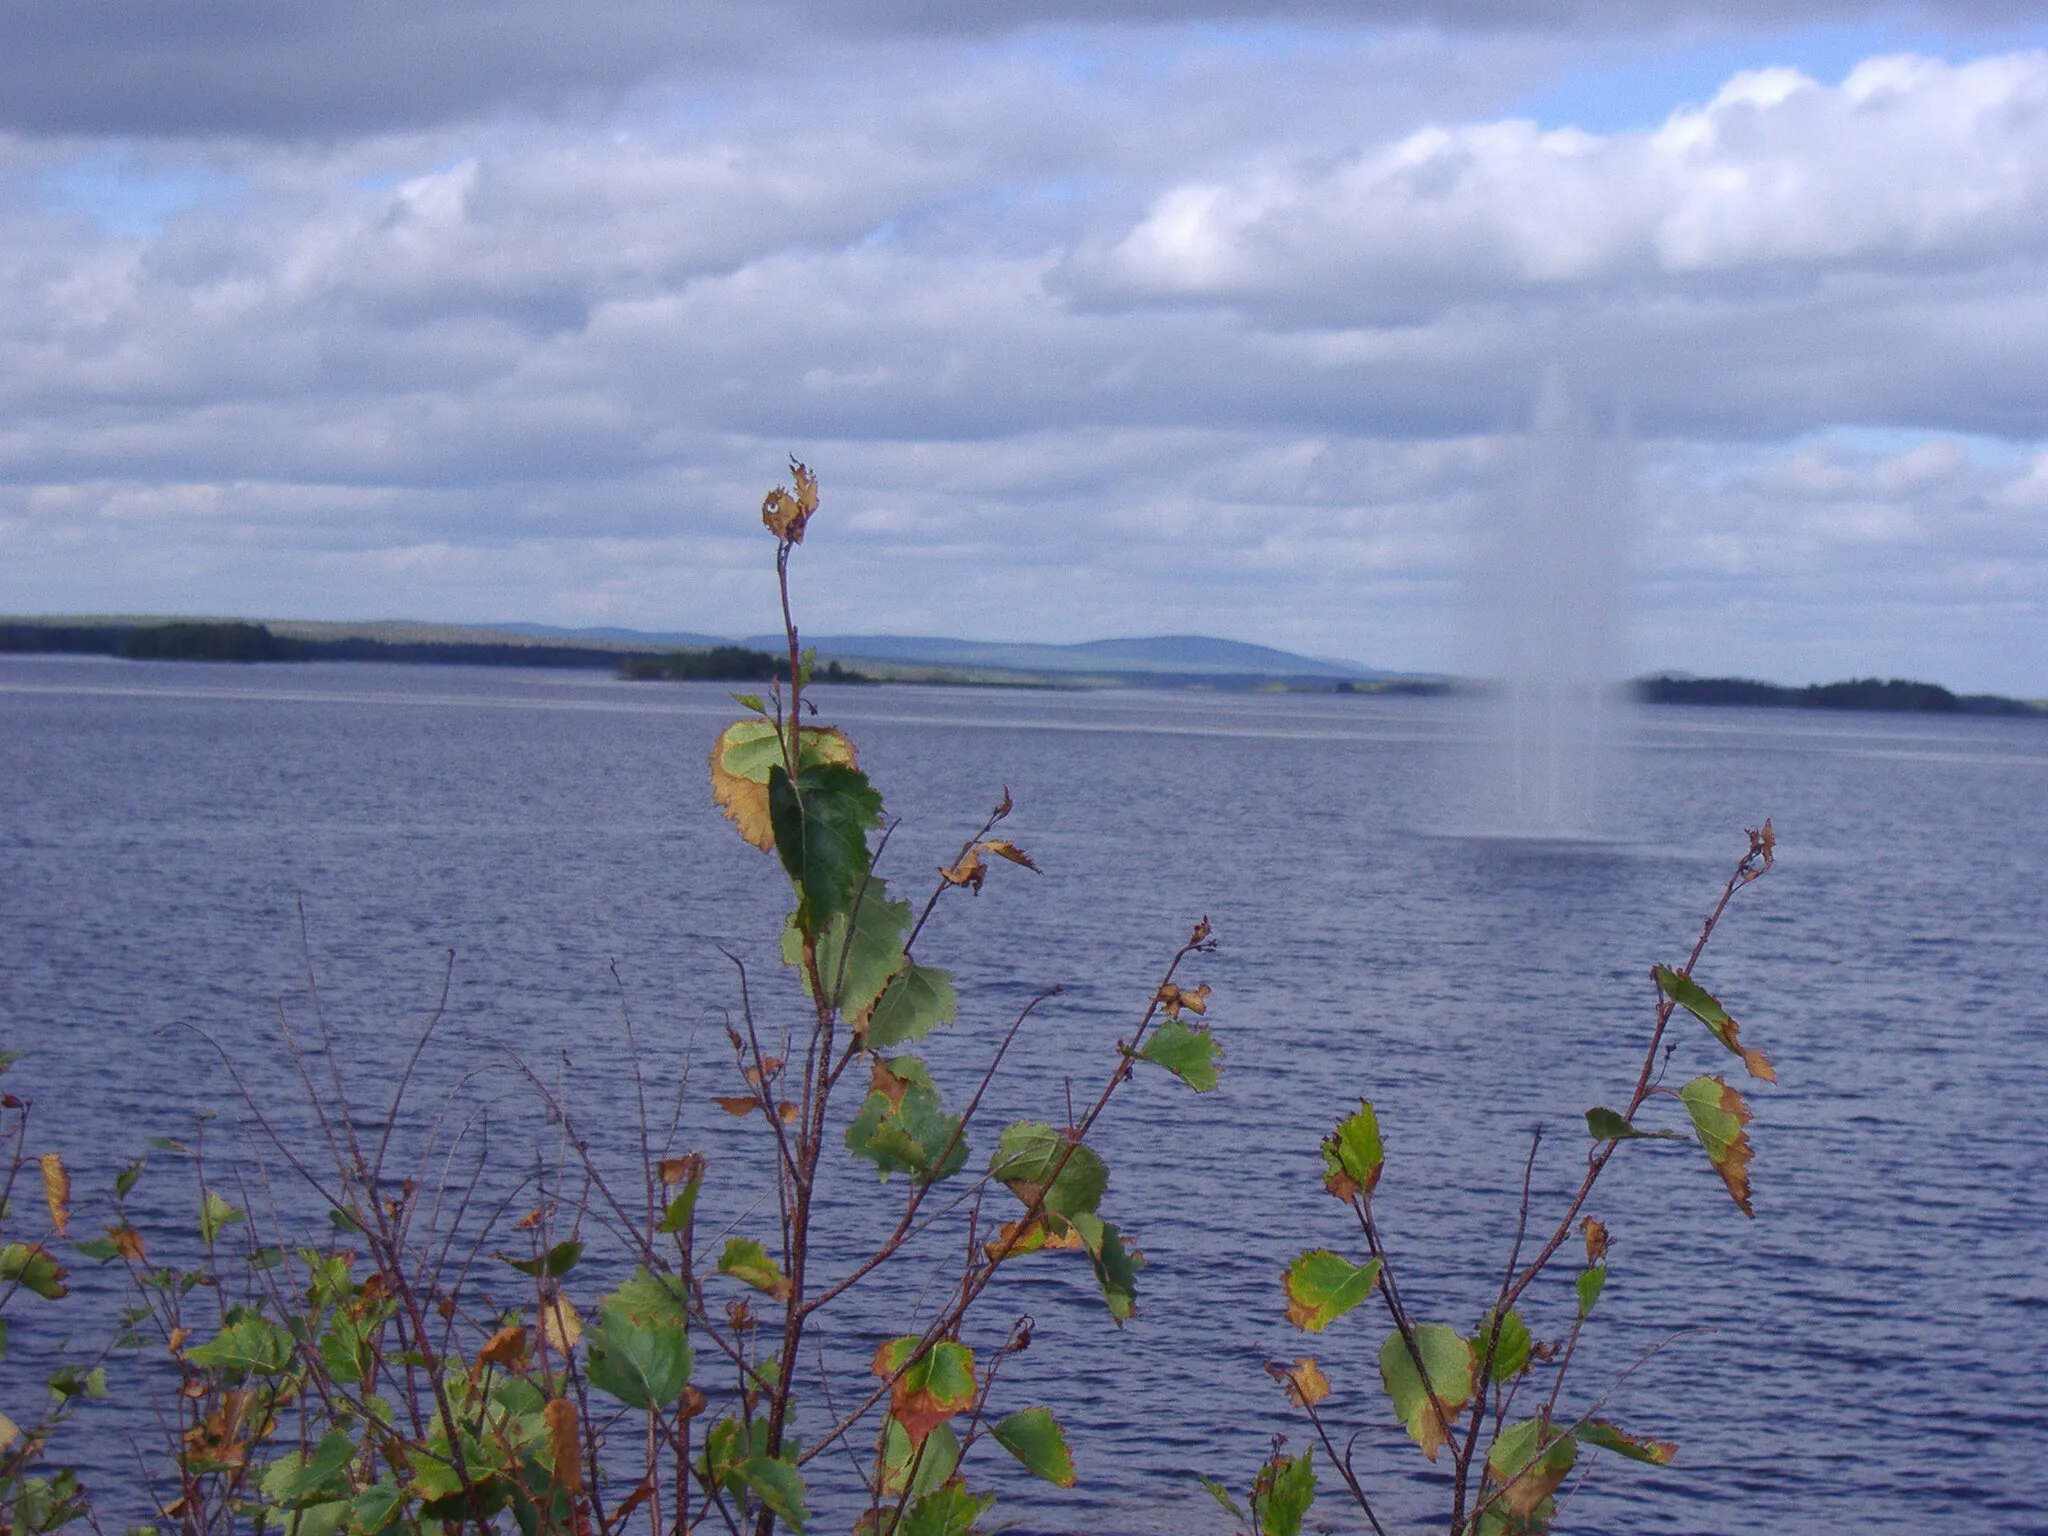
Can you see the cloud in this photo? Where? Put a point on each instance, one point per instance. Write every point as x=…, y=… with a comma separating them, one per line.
x=1087, y=337
x=1910, y=166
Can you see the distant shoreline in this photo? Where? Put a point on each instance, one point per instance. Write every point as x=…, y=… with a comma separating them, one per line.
x=242, y=641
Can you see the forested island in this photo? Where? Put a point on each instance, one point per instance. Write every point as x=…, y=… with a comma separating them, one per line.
x=1869, y=693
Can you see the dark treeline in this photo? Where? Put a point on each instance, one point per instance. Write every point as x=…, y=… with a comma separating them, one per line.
x=242, y=642
x=1894, y=694
x=725, y=663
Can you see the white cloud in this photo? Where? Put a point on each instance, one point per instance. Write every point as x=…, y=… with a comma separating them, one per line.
x=1909, y=164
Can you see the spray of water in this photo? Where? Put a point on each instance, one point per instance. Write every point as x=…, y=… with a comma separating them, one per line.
x=1549, y=589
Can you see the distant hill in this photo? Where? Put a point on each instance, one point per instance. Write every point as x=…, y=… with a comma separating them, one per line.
x=1178, y=656
x=1156, y=661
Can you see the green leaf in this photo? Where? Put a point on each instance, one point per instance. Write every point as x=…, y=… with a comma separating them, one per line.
x=644, y=1364
x=101, y=1249
x=69, y=1381
x=1189, y=1054
x=1035, y=1438
x=1530, y=1464
x=1604, y=1124
x=748, y=1262
x=1604, y=1436
x=1033, y=1159
x=1222, y=1496
x=557, y=1261
x=1322, y=1286
x=1448, y=1358
x=30, y=1266
x=1352, y=1156
x=1704, y=1006
x=780, y=1486
x=378, y=1505
x=676, y=1217
x=1510, y=1350
x=750, y=701
x=165, y=1144
x=821, y=823
x=870, y=959
x=1283, y=1492
x=124, y=1181
x=901, y=1126
x=649, y=1298
x=917, y=999
x=946, y=1511
x=1589, y=1285
x=1115, y=1262
x=248, y=1343
x=1719, y=1115
x=296, y=1480
x=935, y=1462
x=215, y=1214
x=3, y=1338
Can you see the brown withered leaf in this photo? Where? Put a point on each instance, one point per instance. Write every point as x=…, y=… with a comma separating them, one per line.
x=1595, y=1233
x=679, y=1170
x=177, y=1339
x=694, y=1402
x=128, y=1244
x=1006, y=807
x=1174, y=998
x=1003, y=848
x=565, y=1445
x=506, y=1349
x=969, y=870
x=642, y=1492
x=770, y=1065
x=1304, y=1380
x=1039, y=1235
x=786, y=514
x=9, y=1432
x=737, y=1105
x=788, y=1112
x=529, y=1221
x=885, y=1082
x=56, y=1191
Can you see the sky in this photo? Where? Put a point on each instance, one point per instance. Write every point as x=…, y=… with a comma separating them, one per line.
x=1123, y=317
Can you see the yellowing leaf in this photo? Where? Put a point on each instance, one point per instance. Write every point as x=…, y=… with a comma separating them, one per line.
x=1002, y=848
x=1322, y=1286
x=1448, y=1359
x=1704, y=1006
x=1529, y=1466
x=9, y=1432
x=929, y=1388
x=1719, y=1114
x=1194, y=999
x=56, y=1191
x=560, y=1325
x=1352, y=1157
x=1604, y=1436
x=127, y=1243
x=1304, y=1380
x=738, y=1105
x=741, y=759
x=751, y=1264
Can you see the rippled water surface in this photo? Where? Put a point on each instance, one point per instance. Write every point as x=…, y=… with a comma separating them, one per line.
x=1873, y=1348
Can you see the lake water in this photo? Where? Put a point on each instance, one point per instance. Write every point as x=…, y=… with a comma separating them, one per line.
x=1874, y=1353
